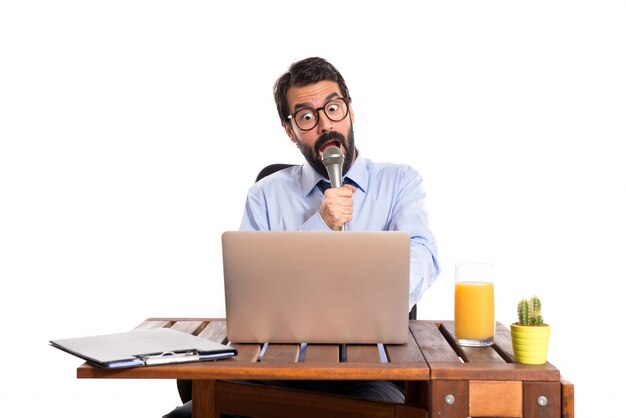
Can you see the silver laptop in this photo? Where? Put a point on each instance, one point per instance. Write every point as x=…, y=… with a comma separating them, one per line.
x=316, y=287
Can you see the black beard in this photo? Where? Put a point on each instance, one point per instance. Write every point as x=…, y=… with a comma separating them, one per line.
x=312, y=154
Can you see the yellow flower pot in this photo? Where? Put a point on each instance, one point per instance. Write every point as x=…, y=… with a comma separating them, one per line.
x=530, y=343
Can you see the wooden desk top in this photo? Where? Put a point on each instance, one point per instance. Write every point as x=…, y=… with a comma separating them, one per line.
x=431, y=353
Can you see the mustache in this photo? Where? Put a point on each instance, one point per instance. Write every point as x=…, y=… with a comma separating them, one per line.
x=327, y=137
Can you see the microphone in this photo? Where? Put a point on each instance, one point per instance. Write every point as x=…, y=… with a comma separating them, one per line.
x=333, y=161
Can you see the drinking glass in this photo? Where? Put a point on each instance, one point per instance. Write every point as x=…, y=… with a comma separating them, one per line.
x=473, y=304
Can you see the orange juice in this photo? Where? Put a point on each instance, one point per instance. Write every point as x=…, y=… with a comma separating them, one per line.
x=473, y=313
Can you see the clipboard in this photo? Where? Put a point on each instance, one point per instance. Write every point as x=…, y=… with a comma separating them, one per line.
x=143, y=347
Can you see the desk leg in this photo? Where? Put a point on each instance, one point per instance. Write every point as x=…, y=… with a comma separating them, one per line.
x=567, y=399
x=203, y=396
x=416, y=393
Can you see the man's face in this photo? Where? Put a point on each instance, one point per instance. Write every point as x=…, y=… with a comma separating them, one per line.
x=327, y=132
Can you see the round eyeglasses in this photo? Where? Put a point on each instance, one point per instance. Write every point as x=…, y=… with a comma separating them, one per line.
x=307, y=118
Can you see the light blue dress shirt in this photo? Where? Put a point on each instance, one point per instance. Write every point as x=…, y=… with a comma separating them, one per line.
x=389, y=197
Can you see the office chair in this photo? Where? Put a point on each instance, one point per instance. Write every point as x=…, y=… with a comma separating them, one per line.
x=271, y=169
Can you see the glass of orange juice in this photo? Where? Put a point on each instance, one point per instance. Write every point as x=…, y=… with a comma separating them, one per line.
x=474, y=321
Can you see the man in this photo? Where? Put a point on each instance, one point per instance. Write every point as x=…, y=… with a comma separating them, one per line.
x=315, y=109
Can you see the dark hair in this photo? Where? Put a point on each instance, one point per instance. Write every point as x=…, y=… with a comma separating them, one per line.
x=302, y=73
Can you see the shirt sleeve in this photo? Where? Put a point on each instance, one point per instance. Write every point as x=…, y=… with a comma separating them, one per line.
x=409, y=214
x=255, y=212
x=315, y=223
x=267, y=209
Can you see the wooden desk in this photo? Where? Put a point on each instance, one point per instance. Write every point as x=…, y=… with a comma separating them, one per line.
x=441, y=377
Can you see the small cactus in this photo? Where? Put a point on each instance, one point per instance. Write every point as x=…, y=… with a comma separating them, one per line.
x=529, y=312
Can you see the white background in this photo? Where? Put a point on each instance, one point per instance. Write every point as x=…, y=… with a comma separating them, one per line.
x=131, y=130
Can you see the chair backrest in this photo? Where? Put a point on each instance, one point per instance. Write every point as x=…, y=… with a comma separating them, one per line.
x=270, y=169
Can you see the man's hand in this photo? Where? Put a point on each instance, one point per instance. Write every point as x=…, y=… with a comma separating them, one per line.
x=336, y=207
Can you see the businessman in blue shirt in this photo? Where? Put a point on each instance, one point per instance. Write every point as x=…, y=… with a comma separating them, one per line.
x=315, y=109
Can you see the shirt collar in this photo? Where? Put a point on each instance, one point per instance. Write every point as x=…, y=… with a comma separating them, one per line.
x=358, y=173
x=357, y=176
